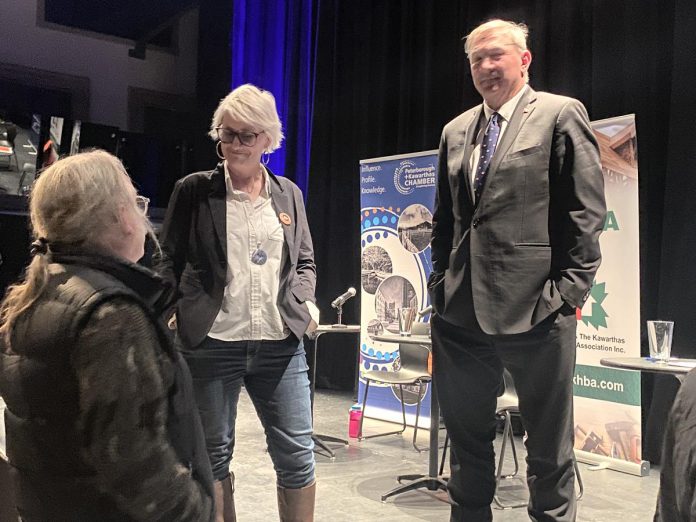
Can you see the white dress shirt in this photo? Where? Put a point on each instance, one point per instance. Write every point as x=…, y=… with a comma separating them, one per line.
x=506, y=112
x=249, y=311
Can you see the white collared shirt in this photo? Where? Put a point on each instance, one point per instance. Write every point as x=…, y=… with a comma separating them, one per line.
x=249, y=310
x=506, y=111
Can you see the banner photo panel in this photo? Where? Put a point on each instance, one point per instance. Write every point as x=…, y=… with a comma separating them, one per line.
x=607, y=400
x=396, y=198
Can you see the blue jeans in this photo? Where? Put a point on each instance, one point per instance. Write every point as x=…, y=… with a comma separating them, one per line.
x=274, y=374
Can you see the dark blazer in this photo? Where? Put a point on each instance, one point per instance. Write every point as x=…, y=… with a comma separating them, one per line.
x=194, y=253
x=531, y=243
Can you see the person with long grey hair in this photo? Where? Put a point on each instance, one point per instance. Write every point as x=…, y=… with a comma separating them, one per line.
x=236, y=243
x=101, y=421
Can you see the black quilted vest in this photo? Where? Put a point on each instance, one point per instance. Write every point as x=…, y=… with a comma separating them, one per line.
x=38, y=383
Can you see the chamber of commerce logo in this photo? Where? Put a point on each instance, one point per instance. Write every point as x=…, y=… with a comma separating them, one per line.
x=598, y=316
x=407, y=177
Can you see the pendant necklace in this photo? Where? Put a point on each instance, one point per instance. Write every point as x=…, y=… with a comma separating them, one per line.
x=258, y=256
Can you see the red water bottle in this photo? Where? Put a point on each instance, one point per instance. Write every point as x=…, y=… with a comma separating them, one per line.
x=354, y=423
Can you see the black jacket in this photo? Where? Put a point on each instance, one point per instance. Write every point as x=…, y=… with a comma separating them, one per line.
x=195, y=253
x=101, y=422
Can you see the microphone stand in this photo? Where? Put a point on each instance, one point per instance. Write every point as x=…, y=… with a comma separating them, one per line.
x=339, y=312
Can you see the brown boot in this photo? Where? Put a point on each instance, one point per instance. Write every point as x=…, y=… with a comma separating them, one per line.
x=224, y=500
x=297, y=505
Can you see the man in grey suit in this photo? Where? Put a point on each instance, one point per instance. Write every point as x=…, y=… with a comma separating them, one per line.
x=518, y=213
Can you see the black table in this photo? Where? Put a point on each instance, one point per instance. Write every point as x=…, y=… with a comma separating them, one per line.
x=319, y=440
x=432, y=481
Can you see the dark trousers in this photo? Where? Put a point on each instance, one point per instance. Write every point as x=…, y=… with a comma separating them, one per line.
x=468, y=376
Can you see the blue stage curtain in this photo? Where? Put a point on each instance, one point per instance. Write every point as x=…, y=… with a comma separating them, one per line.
x=273, y=47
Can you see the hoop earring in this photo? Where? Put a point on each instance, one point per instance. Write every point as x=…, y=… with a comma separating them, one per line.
x=265, y=157
x=218, y=150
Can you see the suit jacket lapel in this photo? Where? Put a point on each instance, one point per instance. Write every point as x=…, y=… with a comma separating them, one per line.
x=470, y=143
x=522, y=111
x=283, y=204
x=218, y=206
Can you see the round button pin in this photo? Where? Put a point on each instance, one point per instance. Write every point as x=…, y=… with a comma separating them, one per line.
x=284, y=218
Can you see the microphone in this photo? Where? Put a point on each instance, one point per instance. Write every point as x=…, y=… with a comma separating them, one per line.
x=425, y=311
x=338, y=302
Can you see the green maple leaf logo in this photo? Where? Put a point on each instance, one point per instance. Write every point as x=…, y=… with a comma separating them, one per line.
x=598, y=317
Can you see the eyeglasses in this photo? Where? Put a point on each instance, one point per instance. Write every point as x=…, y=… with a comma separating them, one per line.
x=246, y=138
x=142, y=203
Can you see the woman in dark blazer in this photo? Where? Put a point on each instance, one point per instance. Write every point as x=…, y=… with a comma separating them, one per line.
x=237, y=245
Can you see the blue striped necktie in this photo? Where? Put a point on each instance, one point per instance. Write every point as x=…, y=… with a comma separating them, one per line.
x=488, y=146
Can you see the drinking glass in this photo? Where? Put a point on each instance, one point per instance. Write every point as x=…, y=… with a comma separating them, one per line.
x=660, y=339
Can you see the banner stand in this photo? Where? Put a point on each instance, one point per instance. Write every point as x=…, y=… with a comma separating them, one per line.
x=396, y=200
x=607, y=402
x=640, y=469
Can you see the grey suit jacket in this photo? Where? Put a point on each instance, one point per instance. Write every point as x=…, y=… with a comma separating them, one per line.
x=531, y=243
x=194, y=253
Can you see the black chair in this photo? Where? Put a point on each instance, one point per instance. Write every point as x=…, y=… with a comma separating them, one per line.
x=507, y=405
x=413, y=371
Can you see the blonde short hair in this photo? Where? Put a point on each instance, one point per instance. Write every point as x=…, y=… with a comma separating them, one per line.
x=253, y=106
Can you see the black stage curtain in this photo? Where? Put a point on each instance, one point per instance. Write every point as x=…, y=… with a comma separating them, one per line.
x=213, y=74
x=675, y=290
x=391, y=73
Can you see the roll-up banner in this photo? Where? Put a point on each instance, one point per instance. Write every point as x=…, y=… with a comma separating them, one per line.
x=396, y=198
x=607, y=400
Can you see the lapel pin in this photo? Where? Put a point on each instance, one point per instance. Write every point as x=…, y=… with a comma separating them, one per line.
x=284, y=218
